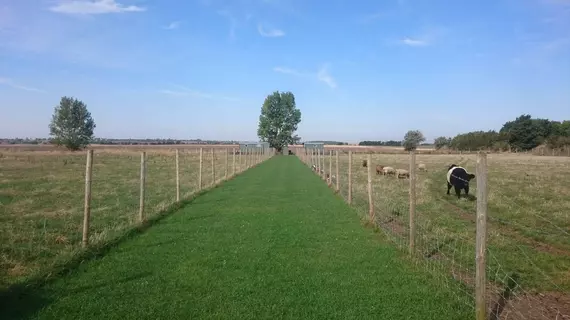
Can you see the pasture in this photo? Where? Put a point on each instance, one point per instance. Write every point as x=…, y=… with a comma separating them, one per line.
x=250, y=249
x=42, y=197
x=528, y=220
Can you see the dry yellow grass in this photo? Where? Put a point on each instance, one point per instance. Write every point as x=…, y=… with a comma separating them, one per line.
x=529, y=213
x=42, y=192
x=528, y=223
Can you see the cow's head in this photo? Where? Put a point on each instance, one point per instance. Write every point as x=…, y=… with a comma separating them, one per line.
x=470, y=176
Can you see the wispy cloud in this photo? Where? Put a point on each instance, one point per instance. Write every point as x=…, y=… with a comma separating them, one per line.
x=233, y=22
x=415, y=42
x=10, y=83
x=427, y=37
x=187, y=92
x=321, y=75
x=270, y=32
x=324, y=76
x=173, y=25
x=289, y=71
x=93, y=7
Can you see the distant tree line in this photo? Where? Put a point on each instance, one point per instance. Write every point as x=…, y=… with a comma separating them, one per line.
x=522, y=134
x=328, y=142
x=389, y=143
x=107, y=141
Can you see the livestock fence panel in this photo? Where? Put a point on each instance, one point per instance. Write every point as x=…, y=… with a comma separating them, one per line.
x=53, y=203
x=505, y=248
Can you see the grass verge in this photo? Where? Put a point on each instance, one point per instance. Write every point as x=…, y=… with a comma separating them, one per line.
x=272, y=243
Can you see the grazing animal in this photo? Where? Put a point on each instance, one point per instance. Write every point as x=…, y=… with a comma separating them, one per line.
x=314, y=167
x=422, y=167
x=388, y=170
x=364, y=163
x=458, y=178
x=402, y=173
x=379, y=168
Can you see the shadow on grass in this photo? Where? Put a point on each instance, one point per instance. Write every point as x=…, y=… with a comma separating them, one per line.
x=23, y=300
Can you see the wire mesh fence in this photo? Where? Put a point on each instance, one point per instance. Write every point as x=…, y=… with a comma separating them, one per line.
x=50, y=204
x=521, y=270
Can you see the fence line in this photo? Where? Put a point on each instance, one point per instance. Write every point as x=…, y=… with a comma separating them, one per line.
x=506, y=263
x=47, y=220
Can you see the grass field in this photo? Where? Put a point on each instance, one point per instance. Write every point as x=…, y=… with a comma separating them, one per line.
x=272, y=243
x=529, y=217
x=42, y=198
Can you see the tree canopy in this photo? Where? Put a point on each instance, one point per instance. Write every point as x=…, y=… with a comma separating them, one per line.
x=521, y=134
x=279, y=120
x=413, y=139
x=71, y=124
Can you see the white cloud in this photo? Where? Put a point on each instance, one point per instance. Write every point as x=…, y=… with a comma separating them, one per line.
x=187, y=92
x=10, y=83
x=233, y=22
x=173, y=25
x=288, y=71
x=93, y=7
x=324, y=76
x=414, y=42
x=270, y=32
x=321, y=75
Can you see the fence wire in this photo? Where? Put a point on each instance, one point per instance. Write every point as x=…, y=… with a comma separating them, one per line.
x=42, y=197
x=528, y=225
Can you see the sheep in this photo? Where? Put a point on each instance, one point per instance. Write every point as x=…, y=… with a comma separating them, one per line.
x=402, y=173
x=314, y=167
x=388, y=170
x=379, y=168
x=364, y=163
x=458, y=178
x=422, y=167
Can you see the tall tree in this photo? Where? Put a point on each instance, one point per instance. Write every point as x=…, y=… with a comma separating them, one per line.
x=279, y=120
x=71, y=124
x=412, y=139
x=441, y=142
x=524, y=132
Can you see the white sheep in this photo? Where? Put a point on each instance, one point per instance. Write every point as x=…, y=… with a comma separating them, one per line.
x=402, y=173
x=388, y=170
x=422, y=167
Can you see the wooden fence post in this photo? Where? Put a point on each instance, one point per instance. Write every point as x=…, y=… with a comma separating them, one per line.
x=318, y=162
x=227, y=163
x=349, y=177
x=200, y=172
x=330, y=168
x=213, y=167
x=370, y=200
x=323, y=165
x=233, y=162
x=142, y=186
x=412, y=200
x=481, y=242
x=87, y=203
x=177, y=177
x=337, y=173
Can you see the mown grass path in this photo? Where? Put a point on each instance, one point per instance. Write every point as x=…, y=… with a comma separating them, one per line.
x=273, y=243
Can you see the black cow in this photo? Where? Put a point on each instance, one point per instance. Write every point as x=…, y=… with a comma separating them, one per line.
x=458, y=178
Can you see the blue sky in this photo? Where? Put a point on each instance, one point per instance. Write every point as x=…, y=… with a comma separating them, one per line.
x=360, y=70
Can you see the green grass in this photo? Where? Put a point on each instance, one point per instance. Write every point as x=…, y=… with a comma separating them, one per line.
x=272, y=243
x=42, y=198
x=528, y=214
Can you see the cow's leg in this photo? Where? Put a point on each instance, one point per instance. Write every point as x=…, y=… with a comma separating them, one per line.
x=466, y=188
x=448, y=187
x=458, y=192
